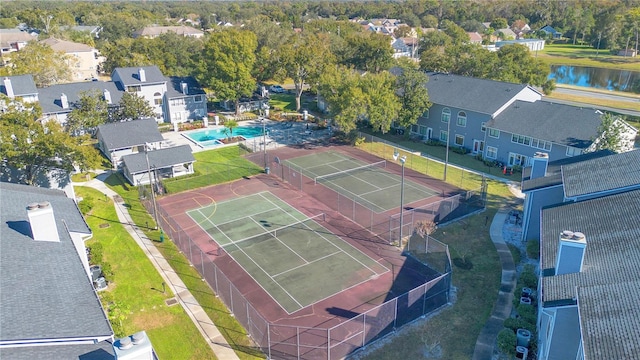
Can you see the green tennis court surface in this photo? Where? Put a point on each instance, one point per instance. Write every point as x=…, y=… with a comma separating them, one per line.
x=293, y=257
x=369, y=184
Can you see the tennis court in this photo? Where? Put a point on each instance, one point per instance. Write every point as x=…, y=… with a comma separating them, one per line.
x=295, y=259
x=368, y=184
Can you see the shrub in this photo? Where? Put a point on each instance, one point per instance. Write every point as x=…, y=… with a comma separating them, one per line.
x=527, y=313
x=86, y=205
x=528, y=278
x=515, y=324
x=507, y=341
x=460, y=150
x=533, y=249
x=434, y=142
x=96, y=252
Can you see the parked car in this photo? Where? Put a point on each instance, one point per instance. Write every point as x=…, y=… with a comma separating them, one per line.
x=276, y=89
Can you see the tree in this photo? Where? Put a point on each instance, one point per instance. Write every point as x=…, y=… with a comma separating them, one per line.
x=611, y=130
x=90, y=111
x=36, y=148
x=47, y=66
x=133, y=107
x=303, y=59
x=413, y=95
x=368, y=52
x=381, y=103
x=229, y=125
x=499, y=23
x=227, y=64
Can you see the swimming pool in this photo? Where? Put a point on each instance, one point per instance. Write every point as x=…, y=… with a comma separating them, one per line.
x=206, y=138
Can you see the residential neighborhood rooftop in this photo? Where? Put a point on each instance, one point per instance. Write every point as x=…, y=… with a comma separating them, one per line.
x=46, y=292
x=119, y=135
x=66, y=46
x=619, y=170
x=480, y=95
x=561, y=124
x=49, y=97
x=158, y=159
x=21, y=85
x=131, y=75
x=174, y=87
x=611, y=225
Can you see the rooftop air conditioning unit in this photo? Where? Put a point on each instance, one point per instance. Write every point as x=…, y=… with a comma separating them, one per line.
x=100, y=283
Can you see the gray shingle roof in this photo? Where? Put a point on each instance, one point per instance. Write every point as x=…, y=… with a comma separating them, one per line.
x=473, y=94
x=46, y=292
x=129, y=75
x=602, y=174
x=611, y=225
x=100, y=351
x=129, y=133
x=561, y=124
x=554, y=174
x=174, y=89
x=159, y=159
x=21, y=84
x=49, y=97
x=610, y=320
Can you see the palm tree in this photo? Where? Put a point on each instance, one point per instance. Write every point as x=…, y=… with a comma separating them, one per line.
x=230, y=124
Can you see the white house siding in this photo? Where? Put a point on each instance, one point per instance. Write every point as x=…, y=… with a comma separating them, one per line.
x=179, y=110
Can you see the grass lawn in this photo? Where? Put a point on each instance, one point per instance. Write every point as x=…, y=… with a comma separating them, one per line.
x=577, y=55
x=283, y=102
x=214, y=167
x=632, y=104
x=136, y=288
x=435, y=169
x=455, y=330
x=232, y=331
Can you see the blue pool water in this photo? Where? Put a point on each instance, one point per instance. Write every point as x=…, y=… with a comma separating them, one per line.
x=210, y=137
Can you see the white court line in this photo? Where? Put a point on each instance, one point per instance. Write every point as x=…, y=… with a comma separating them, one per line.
x=276, y=237
x=308, y=263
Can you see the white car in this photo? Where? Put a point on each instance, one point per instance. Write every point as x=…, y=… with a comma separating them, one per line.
x=276, y=89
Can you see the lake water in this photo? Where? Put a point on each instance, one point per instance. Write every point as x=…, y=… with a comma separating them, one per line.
x=610, y=79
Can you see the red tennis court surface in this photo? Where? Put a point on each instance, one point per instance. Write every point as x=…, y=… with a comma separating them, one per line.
x=331, y=328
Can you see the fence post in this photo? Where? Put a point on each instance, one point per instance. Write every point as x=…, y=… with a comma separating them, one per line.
x=329, y=344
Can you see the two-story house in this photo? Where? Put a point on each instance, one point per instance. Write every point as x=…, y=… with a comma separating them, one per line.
x=119, y=139
x=578, y=178
x=589, y=289
x=146, y=82
x=85, y=59
x=462, y=107
x=184, y=100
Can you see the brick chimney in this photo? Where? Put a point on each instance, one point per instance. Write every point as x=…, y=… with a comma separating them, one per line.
x=571, y=251
x=43, y=222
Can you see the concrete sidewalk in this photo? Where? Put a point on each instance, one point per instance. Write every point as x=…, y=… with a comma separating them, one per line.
x=197, y=314
x=502, y=308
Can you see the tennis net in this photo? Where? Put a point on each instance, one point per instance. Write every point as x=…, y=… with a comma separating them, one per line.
x=337, y=174
x=274, y=233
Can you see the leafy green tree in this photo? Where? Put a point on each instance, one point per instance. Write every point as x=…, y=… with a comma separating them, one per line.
x=303, y=59
x=227, y=64
x=90, y=111
x=611, y=130
x=515, y=64
x=369, y=52
x=229, y=125
x=381, y=105
x=133, y=107
x=499, y=23
x=456, y=33
x=413, y=95
x=35, y=148
x=8, y=23
x=47, y=66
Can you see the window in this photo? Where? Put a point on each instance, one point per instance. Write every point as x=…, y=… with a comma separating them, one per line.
x=414, y=129
x=483, y=126
x=521, y=139
x=134, y=88
x=197, y=98
x=459, y=140
x=444, y=136
x=177, y=116
x=157, y=101
x=492, y=152
x=423, y=130
x=176, y=102
x=494, y=133
x=446, y=115
x=462, y=119
x=541, y=144
x=426, y=114
x=571, y=151
x=517, y=159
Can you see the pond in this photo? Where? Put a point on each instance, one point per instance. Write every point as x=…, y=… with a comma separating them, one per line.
x=599, y=78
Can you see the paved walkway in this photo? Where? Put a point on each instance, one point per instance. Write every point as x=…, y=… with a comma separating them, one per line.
x=197, y=314
x=502, y=308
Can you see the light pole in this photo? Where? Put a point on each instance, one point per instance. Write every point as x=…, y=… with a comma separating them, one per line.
x=264, y=141
x=153, y=194
x=446, y=154
x=403, y=159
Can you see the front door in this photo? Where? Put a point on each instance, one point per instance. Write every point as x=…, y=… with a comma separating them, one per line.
x=429, y=133
x=478, y=146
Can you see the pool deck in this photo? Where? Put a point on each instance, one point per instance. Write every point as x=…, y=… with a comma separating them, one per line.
x=294, y=131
